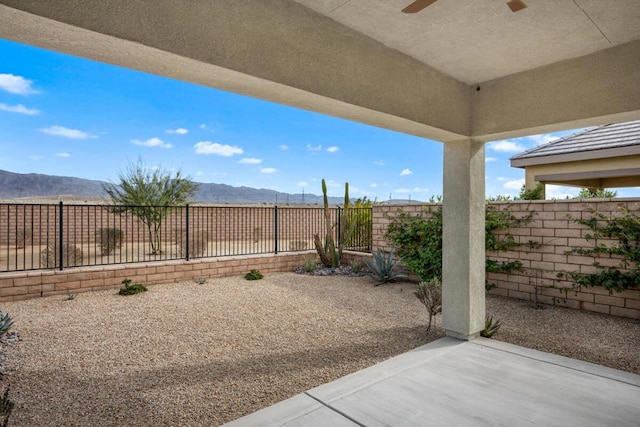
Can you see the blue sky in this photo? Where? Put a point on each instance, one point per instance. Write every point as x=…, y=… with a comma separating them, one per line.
x=63, y=115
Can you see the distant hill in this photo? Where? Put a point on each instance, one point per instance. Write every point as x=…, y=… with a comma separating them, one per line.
x=32, y=185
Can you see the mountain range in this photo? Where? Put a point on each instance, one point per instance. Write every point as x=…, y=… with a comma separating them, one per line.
x=32, y=185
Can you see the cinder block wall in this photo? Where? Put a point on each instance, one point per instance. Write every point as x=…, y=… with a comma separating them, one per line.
x=16, y=286
x=552, y=227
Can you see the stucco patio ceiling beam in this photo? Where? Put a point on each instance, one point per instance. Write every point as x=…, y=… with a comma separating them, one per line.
x=603, y=87
x=280, y=51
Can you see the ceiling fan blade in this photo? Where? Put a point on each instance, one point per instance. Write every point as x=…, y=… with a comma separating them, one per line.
x=516, y=5
x=417, y=6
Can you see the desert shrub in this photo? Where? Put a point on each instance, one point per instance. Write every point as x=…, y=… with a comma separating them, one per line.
x=109, y=239
x=71, y=256
x=6, y=407
x=384, y=267
x=355, y=265
x=129, y=289
x=297, y=245
x=198, y=243
x=254, y=275
x=310, y=264
x=430, y=295
x=24, y=237
x=256, y=234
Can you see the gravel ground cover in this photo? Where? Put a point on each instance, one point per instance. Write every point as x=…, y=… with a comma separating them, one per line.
x=189, y=354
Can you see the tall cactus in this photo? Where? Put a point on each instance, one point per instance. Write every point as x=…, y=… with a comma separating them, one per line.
x=344, y=221
x=329, y=254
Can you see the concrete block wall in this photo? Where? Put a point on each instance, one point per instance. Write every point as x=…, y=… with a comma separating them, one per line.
x=553, y=228
x=16, y=286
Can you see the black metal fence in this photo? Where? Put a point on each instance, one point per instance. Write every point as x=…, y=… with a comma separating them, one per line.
x=41, y=236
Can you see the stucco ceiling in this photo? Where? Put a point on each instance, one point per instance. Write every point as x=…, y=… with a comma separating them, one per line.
x=457, y=69
x=479, y=40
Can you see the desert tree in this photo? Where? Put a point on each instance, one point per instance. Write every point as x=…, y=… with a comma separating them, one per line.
x=149, y=194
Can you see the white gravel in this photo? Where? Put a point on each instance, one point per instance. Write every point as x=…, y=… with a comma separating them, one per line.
x=200, y=355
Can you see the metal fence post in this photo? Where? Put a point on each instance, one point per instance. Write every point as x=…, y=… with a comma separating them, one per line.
x=275, y=229
x=61, y=241
x=186, y=239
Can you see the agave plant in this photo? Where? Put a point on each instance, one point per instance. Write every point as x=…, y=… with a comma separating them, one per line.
x=5, y=323
x=490, y=328
x=383, y=267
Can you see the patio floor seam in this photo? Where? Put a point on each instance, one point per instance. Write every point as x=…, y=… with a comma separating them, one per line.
x=337, y=411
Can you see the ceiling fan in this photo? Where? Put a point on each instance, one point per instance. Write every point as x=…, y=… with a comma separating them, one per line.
x=418, y=5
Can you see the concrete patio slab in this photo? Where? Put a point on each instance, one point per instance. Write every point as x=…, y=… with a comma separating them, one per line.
x=466, y=383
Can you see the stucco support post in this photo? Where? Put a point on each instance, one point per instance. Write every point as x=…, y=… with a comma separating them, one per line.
x=463, y=275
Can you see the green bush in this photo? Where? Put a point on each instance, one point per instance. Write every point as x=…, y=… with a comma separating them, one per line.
x=109, y=239
x=129, y=289
x=534, y=194
x=253, y=275
x=418, y=241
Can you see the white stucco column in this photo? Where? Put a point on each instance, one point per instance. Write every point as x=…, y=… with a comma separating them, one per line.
x=463, y=276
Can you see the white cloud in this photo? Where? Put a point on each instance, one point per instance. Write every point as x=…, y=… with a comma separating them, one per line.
x=490, y=159
x=268, y=170
x=284, y=147
x=303, y=184
x=373, y=185
x=378, y=162
x=16, y=84
x=333, y=149
x=506, y=146
x=314, y=148
x=179, y=131
x=36, y=158
x=63, y=155
x=420, y=190
x=66, y=132
x=405, y=172
x=403, y=191
x=203, y=126
x=152, y=142
x=515, y=184
x=21, y=109
x=208, y=147
x=250, y=161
